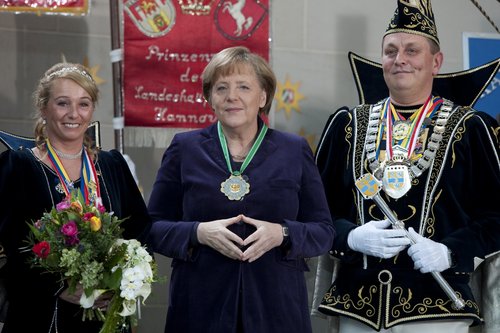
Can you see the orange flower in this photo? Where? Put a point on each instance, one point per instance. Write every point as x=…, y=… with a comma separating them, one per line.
x=76, y=205
x=95, y=223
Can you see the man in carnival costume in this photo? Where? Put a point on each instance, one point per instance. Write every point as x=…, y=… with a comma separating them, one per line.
x=437, y=167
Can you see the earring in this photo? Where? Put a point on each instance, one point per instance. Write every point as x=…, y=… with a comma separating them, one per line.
x=44, y=122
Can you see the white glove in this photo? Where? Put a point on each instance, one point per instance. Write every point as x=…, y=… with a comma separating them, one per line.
x=428, y=255
x=374, y=239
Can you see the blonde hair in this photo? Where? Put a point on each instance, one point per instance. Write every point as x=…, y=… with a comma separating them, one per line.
x=229, y=61
x=75, y=72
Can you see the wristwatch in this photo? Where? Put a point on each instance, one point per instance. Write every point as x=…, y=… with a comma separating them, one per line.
x=284, y=228
x=286, y=237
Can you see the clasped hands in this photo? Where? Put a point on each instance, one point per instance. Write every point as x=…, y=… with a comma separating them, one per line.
x=216, y=235
x=375, y=238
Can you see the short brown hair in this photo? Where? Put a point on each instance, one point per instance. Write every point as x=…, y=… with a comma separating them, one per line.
x=228, y=60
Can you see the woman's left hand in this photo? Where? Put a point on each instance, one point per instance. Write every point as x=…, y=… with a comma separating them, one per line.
x=267, y=236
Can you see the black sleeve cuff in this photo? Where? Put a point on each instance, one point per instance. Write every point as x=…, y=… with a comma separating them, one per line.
x=193, y=240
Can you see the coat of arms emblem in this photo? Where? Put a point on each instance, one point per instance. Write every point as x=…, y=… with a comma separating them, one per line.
x=237, y=20
x=154, y=18
x=396, y=181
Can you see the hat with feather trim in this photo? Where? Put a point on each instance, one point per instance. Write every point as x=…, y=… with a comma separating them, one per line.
x=414, y=17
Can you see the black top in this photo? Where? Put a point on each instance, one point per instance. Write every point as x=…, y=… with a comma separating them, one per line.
x=27, y=190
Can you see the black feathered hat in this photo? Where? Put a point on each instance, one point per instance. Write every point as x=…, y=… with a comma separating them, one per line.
x=414, y=17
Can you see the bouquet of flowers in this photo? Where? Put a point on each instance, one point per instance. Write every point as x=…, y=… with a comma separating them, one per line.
x=83, y=244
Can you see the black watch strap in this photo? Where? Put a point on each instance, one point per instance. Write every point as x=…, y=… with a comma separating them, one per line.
x=286, y=235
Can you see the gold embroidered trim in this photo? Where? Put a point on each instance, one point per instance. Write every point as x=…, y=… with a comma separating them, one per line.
x=439, y=162
x=348, y=135
x=403, y=311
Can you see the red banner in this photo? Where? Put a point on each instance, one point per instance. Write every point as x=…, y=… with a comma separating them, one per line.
x=73, y=7
x=167, y=44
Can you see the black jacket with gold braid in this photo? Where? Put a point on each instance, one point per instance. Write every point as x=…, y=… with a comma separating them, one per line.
x=455, y=202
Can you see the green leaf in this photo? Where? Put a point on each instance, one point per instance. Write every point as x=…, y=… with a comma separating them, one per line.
x=52, y=260
x=112, y=280
x=34, y=230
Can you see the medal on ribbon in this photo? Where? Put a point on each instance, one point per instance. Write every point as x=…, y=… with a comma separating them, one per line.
x=401, y=129
x=89, y=183
x=236, y=186
x=396, y=180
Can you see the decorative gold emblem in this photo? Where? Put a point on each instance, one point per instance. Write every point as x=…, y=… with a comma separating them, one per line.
x=235, y=187
x=401, y=130
x=396, y=180
x=288, y=97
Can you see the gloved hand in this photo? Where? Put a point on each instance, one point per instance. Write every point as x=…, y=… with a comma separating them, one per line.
x=373, y=238
x=428, y=255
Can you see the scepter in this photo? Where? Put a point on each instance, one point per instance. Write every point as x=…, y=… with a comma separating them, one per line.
x=369, y=187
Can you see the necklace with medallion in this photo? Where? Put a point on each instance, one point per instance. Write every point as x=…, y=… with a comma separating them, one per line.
x=401, y=140
x=236, y=186
x=89, y=183
x=423, y=162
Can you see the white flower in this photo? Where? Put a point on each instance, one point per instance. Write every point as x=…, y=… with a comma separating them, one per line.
x=88, y=302
x=134, y=282
x=137, y=275
x=129, y=308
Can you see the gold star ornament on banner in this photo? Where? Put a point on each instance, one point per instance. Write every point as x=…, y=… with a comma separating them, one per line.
x=288, y=97
x=94, y=70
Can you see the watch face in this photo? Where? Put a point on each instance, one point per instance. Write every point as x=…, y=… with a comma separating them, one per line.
x=285, y=231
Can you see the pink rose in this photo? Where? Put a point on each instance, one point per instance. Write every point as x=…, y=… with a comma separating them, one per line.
x=88, y=216
x=69, y=229
x=63, y=205
x=101, y=209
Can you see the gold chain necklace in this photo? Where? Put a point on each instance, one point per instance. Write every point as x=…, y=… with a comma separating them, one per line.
x=420, y=165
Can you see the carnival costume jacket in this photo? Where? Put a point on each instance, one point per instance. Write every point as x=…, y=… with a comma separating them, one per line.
x=210, y=292
x=454, y=201
x=28, y=188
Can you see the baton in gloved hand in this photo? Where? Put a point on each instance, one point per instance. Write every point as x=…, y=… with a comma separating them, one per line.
x=369, y=187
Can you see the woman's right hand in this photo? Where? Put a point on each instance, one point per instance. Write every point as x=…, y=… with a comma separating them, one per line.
x=216, y=235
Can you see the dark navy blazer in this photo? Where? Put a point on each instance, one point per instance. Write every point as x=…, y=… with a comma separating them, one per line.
x=207, y=289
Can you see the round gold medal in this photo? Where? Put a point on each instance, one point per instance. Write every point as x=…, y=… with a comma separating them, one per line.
x=401, y=130
x=235, y=187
